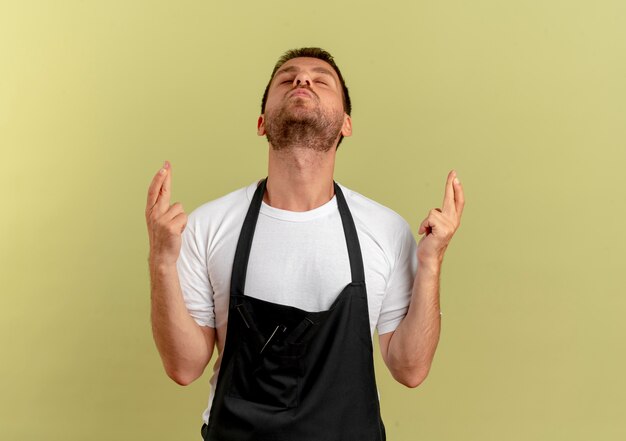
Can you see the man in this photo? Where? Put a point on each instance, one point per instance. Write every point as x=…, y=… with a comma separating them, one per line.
x=290, y=275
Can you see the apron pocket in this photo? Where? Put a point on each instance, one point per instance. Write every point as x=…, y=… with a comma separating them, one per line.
x=271, y=378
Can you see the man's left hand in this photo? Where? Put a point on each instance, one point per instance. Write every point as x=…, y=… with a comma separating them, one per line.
x=441, y=224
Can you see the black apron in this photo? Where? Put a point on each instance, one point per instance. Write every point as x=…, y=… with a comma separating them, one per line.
x=291, y=375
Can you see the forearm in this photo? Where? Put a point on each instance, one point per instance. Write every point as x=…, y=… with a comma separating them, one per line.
x=412, y=347
x=179, y=339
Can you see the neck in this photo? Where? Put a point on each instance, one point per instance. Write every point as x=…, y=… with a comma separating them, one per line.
x=299, y=179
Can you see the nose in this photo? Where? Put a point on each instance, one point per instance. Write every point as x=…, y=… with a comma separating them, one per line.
x=302, y=79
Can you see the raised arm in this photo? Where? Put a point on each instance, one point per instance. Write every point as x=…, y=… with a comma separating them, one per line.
x=184, y=346
x=408, y=352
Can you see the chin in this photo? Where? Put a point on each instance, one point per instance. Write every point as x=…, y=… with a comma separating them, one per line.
x=300, y=115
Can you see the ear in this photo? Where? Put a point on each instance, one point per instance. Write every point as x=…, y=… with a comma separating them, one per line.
x=260, y=125
x=346, y=129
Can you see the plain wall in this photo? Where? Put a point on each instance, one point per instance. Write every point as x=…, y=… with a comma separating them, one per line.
x=525, y=99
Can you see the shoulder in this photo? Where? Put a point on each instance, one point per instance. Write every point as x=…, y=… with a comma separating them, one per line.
x=375, y=218
x=368, y=209
x=225, y=209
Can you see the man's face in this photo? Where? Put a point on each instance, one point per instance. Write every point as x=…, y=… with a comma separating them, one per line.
x=304, y=106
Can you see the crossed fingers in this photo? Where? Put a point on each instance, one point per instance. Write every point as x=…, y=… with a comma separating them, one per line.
x=160, y=191
x=448, y=218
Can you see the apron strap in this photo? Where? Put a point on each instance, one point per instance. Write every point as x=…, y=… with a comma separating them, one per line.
x=242, y=253
x=352, y=238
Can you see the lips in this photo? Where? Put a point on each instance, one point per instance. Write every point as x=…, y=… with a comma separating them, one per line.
x=301, y=92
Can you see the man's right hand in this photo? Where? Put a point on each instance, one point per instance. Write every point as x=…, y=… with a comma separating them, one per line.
x=165, y=222
x=185, y=347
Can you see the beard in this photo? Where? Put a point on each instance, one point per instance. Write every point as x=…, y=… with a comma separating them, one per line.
x=294, y=125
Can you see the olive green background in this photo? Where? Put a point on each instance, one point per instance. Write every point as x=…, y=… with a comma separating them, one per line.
x=525, y=99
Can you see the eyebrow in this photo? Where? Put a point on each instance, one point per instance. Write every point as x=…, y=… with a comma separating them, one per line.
x=318, y=69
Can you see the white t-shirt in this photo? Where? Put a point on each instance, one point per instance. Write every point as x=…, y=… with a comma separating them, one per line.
x=298, y=259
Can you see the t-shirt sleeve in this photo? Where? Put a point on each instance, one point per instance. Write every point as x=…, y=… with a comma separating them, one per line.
x=400, y=285
x=193, y=275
